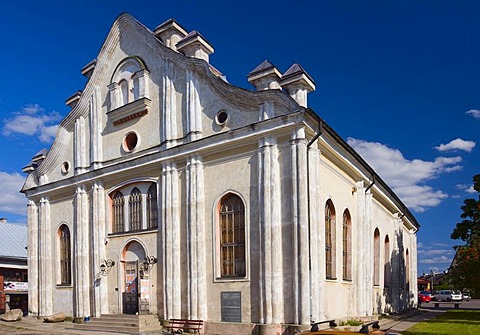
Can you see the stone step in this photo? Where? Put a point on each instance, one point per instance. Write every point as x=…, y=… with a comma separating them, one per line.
x=106, y=328
x=120, y=323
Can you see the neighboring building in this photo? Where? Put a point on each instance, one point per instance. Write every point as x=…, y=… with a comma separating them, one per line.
x=13, y=266
x=169, y=191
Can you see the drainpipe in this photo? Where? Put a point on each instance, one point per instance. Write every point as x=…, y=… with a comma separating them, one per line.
x=309, y=144
x=371, y=185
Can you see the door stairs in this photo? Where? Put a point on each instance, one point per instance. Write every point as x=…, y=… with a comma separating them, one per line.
x=121, y=324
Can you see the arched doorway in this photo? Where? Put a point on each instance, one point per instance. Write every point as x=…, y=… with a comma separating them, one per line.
x=132, y=259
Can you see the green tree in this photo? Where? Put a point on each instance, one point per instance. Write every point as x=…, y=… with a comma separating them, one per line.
x=465, y=271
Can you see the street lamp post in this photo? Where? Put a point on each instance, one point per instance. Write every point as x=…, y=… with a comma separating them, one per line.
x=433, y=276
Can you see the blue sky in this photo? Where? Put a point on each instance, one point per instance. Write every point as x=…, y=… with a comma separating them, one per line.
x=399, y=80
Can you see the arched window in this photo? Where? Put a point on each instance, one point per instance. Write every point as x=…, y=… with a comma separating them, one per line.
x=135, y=209
x=376, y=257
x=347, y=246
x=65, y=255
x=152, y=208
x=387, y=267
x=118, y=210
x=124, y=92
x=407, y=270
x=232, y=236
x=330, y=240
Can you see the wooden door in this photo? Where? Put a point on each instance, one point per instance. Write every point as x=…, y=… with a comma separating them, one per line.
x=130, y=295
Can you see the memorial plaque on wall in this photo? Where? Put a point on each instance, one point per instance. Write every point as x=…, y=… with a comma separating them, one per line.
x=231, y=303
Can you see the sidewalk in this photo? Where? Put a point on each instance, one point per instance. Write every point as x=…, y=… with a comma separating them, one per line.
x=33, y=326
x=403, y=321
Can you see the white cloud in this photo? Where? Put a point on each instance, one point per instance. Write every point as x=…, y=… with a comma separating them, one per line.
x=474, y=112
x=436, y=260
x=47, y=134
x=457, y=144
x=407, y=177
x=33, y=121
x=12, y=201
x=466, y=188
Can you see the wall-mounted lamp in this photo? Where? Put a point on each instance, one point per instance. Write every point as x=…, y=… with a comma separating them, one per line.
x=148, y=263
x=105, y=266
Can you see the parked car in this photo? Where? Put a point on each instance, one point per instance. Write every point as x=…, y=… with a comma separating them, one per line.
x=448, y=295
x=466, y=296
x=424, y=296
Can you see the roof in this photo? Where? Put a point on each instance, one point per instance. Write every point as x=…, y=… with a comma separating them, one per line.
x=13, y=239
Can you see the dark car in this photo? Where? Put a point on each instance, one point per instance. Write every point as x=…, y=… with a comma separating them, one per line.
x=424, y=296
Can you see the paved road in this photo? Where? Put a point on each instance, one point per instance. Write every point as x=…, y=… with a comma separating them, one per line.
x=472, y=304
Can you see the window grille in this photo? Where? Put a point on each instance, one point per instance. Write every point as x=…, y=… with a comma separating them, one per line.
x=232, y=237
x=65, y=259
x=118, y=210
x=135, y=209
x=152, y=207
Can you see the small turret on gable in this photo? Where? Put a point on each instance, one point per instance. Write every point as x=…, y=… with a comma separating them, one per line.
x=195, y=45
x=265, y=77
x=36, y=161
x=297, y=83
x=170, y=33
x=72, y=100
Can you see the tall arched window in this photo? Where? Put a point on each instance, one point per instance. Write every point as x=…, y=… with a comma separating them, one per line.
x=376, y=257
x=118, y=210
x=387, y=267
x=347, y=246
x=124, y=92
x=330, y=240
x=135, y=209
x=152, y=208
x=232, y=236
x=407, y=270
x=65, y=255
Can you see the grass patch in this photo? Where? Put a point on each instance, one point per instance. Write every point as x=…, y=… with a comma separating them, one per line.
x=351, y=323
x=449, y=323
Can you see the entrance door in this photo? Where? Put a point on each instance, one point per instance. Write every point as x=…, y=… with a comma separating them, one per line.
x=130, y=296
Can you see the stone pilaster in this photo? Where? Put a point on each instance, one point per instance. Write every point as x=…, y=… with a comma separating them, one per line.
x=33, y=258
x=113, y=90
x=197, y=299
x=369, y=254
x=270, y=231
x=171, y=241
x=194, y=108
x=80, y=146
x=47, y=274
x=96, y=127
x=298, y=149
x=142, y=77
x=98, y=251
x=168, y=121
x=317, y=236
x=82, y=252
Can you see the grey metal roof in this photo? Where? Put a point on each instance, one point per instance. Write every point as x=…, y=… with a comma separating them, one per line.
x=13, y=239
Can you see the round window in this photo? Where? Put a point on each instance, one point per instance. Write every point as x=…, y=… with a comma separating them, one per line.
x=65, y=167
x=130, y=142
x=221, y=118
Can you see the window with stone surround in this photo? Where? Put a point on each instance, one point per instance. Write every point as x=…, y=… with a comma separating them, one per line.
x=128, y=91
x=387, y=267
x=152, y=207
x=134, y=207
x=347, y=246
x=376, y=257
x=330, y=240
x=232, y=237
x=118, y=203
x=407, y=270
x=65, y=255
